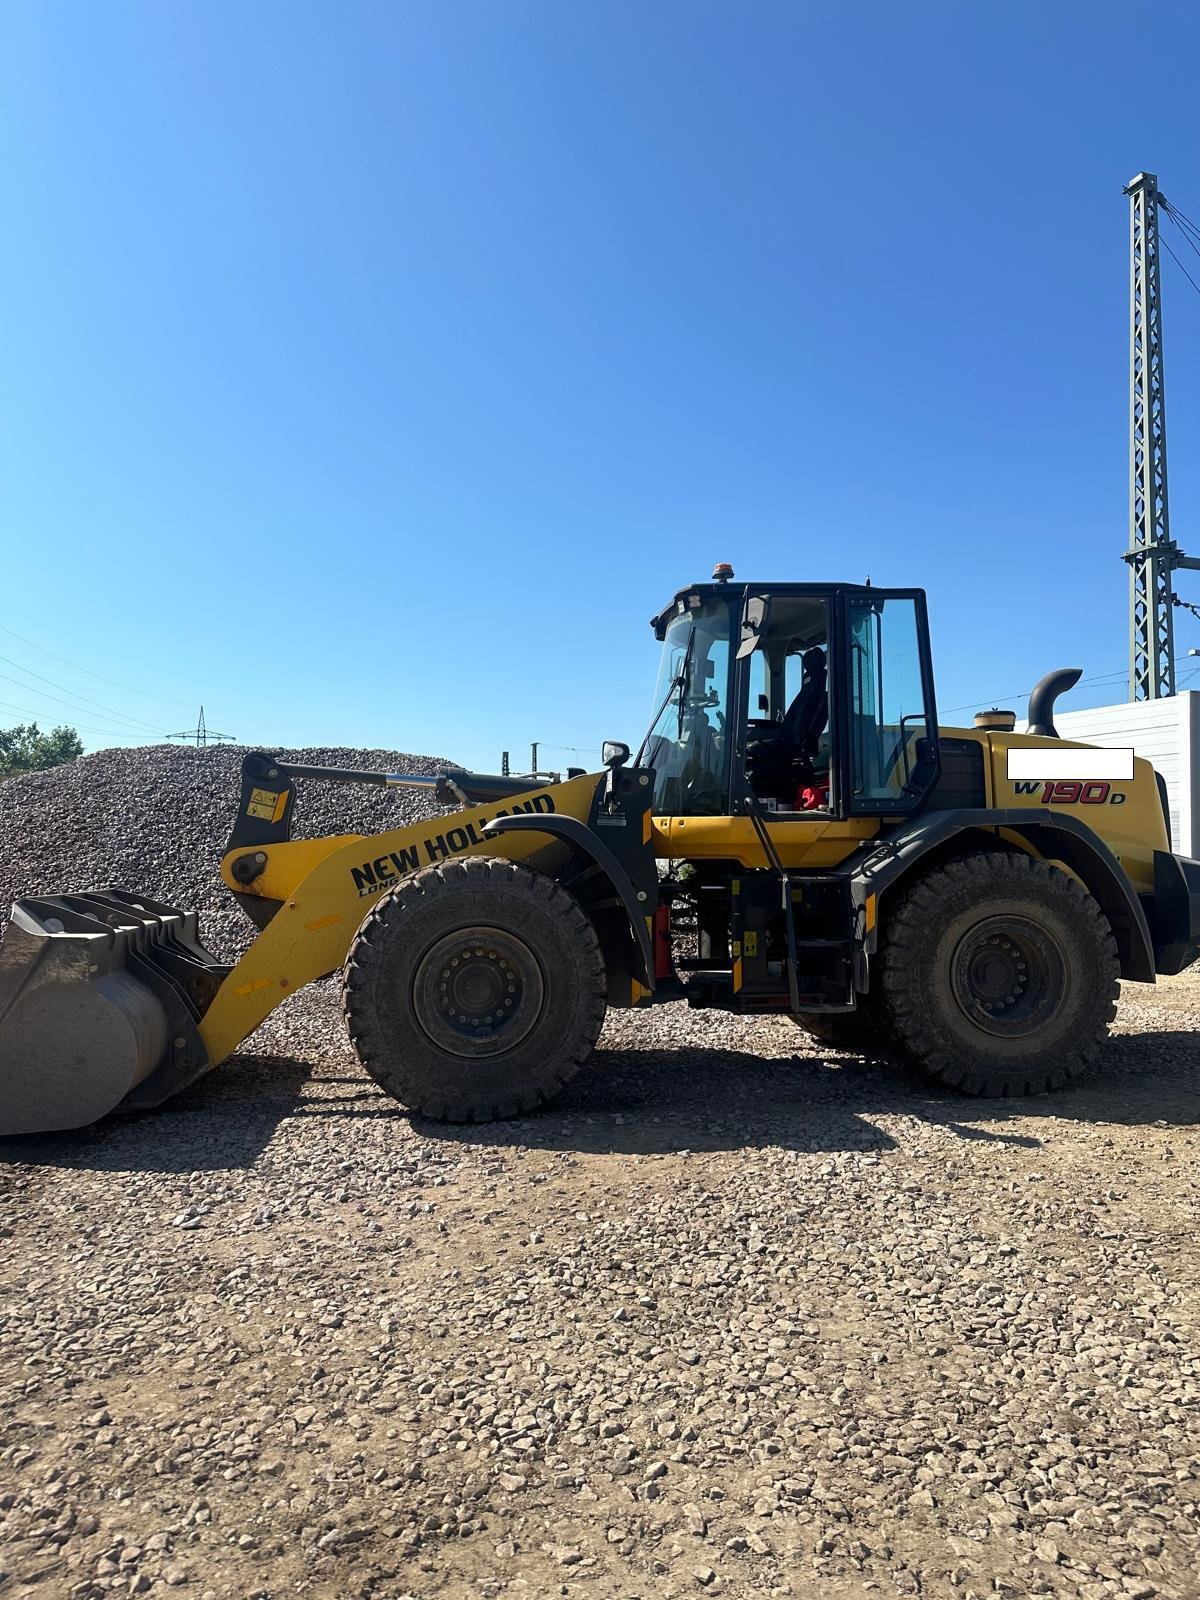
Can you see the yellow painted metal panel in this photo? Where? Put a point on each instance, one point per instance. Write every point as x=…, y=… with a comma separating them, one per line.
x=328, y=885
x=286, y=864
x=809, y=843
x=1127, y=817
x=249, y=988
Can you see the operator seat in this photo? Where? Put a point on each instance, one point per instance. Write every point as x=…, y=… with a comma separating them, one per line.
x=804, y=720
x=781, y=756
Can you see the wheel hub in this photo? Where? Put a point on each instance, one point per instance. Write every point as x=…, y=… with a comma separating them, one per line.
x=1008, y=976
x=478, y=991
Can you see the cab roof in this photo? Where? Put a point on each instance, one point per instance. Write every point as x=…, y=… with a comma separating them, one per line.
x=699, y=594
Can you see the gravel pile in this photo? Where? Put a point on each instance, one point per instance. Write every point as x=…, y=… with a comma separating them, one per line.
x=156, y=819
x=740, y=1315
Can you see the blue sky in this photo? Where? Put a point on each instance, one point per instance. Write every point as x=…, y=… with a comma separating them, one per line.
x=372, y=372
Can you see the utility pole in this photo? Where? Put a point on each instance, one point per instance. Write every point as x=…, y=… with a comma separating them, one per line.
x=504, y=763
x=201, y=734
x=533, y=756
x=1152, y=554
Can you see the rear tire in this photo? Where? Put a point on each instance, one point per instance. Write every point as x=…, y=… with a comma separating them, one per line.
x=999, y=975
x=474, y=990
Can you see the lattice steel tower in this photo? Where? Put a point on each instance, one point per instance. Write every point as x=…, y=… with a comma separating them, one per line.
x=1152, y=554
x=201, y=734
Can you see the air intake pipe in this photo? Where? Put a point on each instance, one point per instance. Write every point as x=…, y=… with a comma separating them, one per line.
x=1045, y=693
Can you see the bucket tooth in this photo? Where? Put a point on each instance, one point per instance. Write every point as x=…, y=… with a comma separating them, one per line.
x=99, y=993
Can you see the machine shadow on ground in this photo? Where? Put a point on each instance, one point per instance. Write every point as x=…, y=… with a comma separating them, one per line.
x=640, y=1103
x=713, y=1099
x=696, y=1098
x=222, y=1123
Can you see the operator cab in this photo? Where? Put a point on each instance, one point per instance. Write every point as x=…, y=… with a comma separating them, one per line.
x=805, y=701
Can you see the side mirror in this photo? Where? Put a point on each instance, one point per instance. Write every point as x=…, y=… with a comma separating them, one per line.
x=755, y=619
x=614, y=754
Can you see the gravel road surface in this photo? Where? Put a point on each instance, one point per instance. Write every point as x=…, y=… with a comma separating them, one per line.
x=739, y=1316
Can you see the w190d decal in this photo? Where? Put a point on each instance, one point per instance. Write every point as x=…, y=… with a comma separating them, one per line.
x=1073, y=793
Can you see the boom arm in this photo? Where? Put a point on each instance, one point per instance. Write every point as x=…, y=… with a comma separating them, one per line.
x=323, y=888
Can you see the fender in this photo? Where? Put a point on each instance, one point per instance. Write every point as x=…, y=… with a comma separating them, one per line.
x=1176, y=911
x=886, y=861
x=583, y=839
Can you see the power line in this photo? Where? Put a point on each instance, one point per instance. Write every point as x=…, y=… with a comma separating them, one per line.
x=80, y=727
x=1095, y=677
x=1180, y=264
x=109, y=711
x=1189, y=233
x=1185, y=225
x=29, y=689
x=128, y=689
x=992, y=700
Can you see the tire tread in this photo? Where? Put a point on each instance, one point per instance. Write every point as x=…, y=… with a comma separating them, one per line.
x=385, y=923
x=914, y=1027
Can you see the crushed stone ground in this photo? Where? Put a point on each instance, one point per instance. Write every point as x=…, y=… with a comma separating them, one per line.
x=740, y=1315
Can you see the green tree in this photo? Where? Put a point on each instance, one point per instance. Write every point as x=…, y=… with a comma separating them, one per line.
x=28, y=749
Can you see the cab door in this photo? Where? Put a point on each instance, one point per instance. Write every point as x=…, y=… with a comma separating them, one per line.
x=888, y=754
x=789, y=768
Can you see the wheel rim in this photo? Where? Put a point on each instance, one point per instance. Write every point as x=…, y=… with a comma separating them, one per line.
x=1008, y=976
x=478, y=992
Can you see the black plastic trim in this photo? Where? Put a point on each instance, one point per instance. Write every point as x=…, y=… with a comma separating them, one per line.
x=890, y=857
x=1176, y=912
x=1164, y=801
x=961, y=783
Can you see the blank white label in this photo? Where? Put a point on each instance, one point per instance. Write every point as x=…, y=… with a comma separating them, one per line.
x=1087, y=766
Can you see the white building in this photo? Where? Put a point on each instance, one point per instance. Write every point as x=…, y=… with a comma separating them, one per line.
x=1165, y=733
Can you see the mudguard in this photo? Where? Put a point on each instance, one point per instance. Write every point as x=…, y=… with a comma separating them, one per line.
x=616, y=838
x=887, y=860
x=1175, y=915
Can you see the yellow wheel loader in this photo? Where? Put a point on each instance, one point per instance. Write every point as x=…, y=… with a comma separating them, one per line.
x=796, y=835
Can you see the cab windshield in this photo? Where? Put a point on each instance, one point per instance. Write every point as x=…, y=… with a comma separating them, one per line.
x=686, y=744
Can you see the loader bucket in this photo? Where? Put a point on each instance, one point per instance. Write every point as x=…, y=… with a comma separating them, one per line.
x=100, y=994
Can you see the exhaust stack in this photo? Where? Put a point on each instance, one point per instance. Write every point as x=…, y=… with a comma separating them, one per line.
x=1046, y=692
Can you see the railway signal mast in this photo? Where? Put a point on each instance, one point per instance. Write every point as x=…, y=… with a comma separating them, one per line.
x=1153, y=555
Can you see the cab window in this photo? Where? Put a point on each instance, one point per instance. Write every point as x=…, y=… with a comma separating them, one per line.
x=892, y=750
x=787, y=728
x=686, y=744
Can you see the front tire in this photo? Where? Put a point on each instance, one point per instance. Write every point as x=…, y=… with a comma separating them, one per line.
x=475, y=990
x=999, y=975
